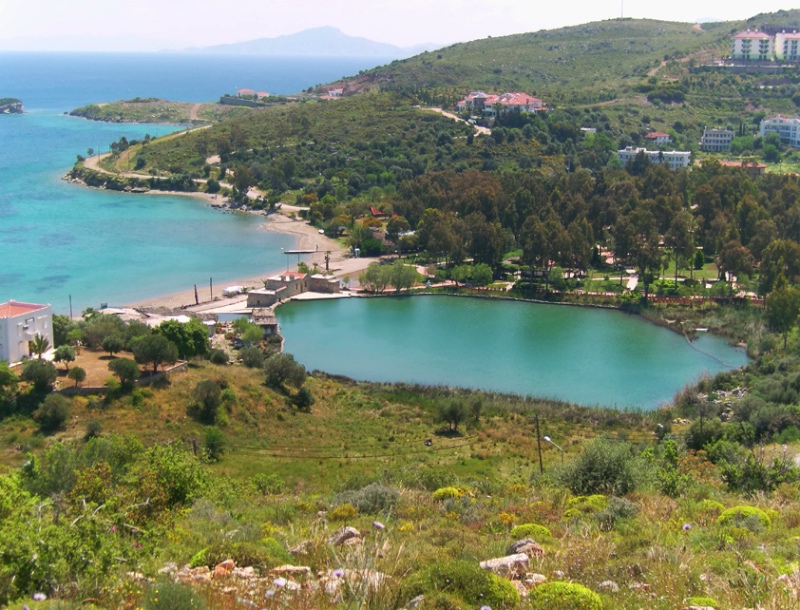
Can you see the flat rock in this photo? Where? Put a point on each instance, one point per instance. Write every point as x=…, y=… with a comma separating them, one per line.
x=532, y=580
x=509, y=565
x=290, y=570
x=528, y=546
x=343, y=535
x=609, y=585
x=304, y=548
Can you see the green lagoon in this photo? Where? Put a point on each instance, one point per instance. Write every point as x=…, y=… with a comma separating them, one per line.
x=584, y=355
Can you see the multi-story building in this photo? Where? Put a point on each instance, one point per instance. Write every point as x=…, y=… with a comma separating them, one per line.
x=758, y=46
x=716, y=140
x=787, y=46
x=674, y=159
x=19, y=325
x=788, y=128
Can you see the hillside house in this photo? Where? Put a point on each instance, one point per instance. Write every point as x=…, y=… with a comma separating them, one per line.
x=20, y=323
x=265, y=318
x=753, y=168
x=245, y=93
x=491, y=105
x=674, y=159
x=658, y=138
x=788, y=128
x=716, y=140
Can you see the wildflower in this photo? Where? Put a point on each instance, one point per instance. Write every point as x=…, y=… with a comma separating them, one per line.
x=378, y=525
x=686, y=527
x=25, y=607
x=486, y=608
x=39, y=597
x=279, y=582
x=338, y=573
x=270, y=593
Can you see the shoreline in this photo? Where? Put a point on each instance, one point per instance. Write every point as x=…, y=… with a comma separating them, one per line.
x=307, y=238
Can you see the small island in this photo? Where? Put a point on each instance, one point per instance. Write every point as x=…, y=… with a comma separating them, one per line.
x=154, y=110
x=11, y=105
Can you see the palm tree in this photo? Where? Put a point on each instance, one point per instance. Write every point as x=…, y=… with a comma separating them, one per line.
x=40, y=345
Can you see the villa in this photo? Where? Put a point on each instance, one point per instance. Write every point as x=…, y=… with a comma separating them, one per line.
x=755, y=45
x=674, y=159
x=491, y=104
x=659, y=138
x=716, y=140
x=19, y=324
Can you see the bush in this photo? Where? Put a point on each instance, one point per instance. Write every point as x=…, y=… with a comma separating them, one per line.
x=703, y=602
x=207, y=398
x=604, y=467
x=531, y=530
x=371, y=499
x=445, y=493
x=252, y=357
x=53, y=412
x=304, y=399
x=168, y=595
x=740, y=514
x=40, y=373
x=214, y=443
x=126, y=369
x=266, y=554
x=618, y=508
x=343, y=512
x=283, y=369
x=564, y=596
x=464, y=580
x=269, y=483
x=219, y=356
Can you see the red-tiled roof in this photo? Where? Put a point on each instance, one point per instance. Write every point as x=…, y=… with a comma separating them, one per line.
x=752, y=35
x=742, y=164
x=247, y=91
x=12, y=309
x=262, y=94
x=656, y=134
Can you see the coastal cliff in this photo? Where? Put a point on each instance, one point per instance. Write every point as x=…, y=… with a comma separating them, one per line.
x=10, y=105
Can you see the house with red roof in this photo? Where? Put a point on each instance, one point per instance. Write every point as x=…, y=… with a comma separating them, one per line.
x=490, y=105
x=753, y=45
x=245, y=93
x=20, y=323
x=658, y=138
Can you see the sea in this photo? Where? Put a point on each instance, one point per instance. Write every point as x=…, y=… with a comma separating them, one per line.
x=62, y=243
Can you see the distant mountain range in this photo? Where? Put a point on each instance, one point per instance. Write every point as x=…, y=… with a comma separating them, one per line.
x=317, y=42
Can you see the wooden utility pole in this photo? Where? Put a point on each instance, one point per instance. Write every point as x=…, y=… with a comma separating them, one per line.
x=211, y=287
x=196, y=298
x=539, y=445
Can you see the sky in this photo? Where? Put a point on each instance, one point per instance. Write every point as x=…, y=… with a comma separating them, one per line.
x=153, y=25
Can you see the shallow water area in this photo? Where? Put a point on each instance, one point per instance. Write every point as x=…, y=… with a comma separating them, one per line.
x=584, y=355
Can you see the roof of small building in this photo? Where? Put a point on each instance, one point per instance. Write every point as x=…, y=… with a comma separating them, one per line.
x=245, y=91
x=263, y=94
x=287, y=276
x=656, y=134
x=725, y=163
x=11, y=309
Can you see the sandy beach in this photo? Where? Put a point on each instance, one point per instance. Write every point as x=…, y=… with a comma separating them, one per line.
x=308, y=238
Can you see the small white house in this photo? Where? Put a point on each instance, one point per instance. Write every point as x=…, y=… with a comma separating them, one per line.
x=19, y=325
x=674, y=159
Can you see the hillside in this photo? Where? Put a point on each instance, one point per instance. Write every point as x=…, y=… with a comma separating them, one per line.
x=153, y=110
x=11, y=105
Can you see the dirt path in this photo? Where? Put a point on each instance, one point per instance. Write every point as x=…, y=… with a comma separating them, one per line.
x=193, y=113
x=478, y=129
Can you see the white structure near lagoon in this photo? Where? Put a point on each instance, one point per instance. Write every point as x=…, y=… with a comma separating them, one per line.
x=19, y=325
x=674, y=159
x=788, y=128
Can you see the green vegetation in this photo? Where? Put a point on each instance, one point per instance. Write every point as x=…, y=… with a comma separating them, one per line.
x=153, y=110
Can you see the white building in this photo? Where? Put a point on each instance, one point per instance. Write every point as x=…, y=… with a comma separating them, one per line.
x=787, y=46
x=659, y=138
x=788, y=128
x=756, y=45
x=674, y=159
x=716, y=140
x=19, y=324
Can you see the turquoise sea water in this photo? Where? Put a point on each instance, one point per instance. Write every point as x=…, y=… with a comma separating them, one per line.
x=582, y=355
x=58, y=239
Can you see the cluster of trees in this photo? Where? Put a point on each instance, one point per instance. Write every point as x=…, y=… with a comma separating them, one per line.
x=378, y=277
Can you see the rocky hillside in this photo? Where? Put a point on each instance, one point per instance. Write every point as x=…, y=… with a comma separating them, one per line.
x=10, y=105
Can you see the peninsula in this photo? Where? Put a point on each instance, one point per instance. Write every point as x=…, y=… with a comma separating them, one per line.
x=158, y=111
x=11, y=105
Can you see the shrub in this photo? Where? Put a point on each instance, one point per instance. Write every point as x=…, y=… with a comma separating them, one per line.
x=703, y=602
x=371, y=499
x=618, y=508
x=219, y=356
x=126, y=369
x=304, y=399
x=214, y=443
x=343, y=512
x=464, y=580
x=711, y=506
x=283, y=369
x=53, y=413
x=445, y=493
x=531, y=530
x=564, y=596
x=40, y=373
x=607, y=467
x=168, y=595
x=207, y=398
x=252, y=357
x=265, y=554
x=738, y=515
x=269, y=483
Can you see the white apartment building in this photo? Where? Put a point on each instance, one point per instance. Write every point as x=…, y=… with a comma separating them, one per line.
x=716, y=140
x=674, y=159
x=753, y=45
x=788, y=128
x=787, y=46
x=19, y=324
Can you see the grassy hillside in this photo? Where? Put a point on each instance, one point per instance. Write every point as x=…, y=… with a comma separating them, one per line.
x=153, y=110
